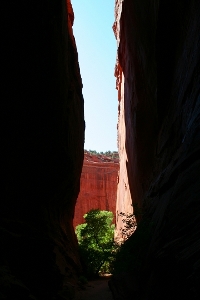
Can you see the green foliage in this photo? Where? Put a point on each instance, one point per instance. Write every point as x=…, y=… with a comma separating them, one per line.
x=111, y=154
x=93, y=151
x=96, y=241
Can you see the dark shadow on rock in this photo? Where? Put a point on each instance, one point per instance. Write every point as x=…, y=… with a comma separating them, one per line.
x=123, y=286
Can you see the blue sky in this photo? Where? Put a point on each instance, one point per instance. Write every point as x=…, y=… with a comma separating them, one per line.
x=96, y=46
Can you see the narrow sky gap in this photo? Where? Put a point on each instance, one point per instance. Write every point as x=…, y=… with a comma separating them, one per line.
x=96, y=46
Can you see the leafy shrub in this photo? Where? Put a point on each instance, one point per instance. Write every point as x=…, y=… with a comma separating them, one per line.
x=111, y=154
x=96, y=241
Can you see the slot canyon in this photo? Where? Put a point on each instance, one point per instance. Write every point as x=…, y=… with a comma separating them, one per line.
x=158, y=81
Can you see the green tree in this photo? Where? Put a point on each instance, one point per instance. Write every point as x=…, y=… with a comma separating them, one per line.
x=96, y=241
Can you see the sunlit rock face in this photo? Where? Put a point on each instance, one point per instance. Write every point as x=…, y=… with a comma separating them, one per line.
x=42, y=143
x=158, y=79
x=135, y=72
x=98, y=189
x=124, y=200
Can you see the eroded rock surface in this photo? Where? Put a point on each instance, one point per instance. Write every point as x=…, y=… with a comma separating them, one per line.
x=158, y=79
x=98, y=189
x=42, y=142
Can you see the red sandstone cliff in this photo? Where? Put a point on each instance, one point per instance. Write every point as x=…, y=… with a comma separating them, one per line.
x=43, y=148
x=158, y=79
x=98, y=185
x=124, y=198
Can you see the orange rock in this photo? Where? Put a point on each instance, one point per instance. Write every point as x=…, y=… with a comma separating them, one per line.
x=70, y=12
x=98, y=187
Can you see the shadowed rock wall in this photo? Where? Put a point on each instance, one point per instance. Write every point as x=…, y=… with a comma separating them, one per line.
x=136, y=83
x=158, y=79
x=42, y=143
x=98, y=189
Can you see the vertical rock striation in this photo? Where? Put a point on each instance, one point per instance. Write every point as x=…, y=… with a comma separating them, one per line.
x=98, y=189
x=124, y=200
x=135, y=72
x=43, y=137
x=158, y=79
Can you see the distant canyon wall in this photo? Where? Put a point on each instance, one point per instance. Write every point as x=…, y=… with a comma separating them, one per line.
x=98, y=188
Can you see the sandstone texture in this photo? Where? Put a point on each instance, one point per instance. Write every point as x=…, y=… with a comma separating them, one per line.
x=98, y=188
x=158, y=80
x=42, y=150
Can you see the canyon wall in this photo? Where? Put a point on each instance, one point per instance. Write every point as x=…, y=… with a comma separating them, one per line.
x=98, y=188
x=42, y=150
x=136, y=84
x=158, y=80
